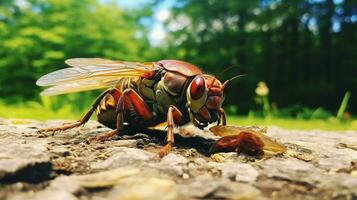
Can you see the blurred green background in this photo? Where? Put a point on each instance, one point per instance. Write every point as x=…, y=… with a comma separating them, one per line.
x=303, y=53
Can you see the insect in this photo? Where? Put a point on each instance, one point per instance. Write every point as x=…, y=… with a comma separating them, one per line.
x=140, y=94
x=238, y=140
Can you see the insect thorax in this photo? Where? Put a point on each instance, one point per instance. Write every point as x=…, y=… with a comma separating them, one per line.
x=168, y=89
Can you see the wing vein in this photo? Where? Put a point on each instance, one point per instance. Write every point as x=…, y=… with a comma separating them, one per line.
x=92, y=73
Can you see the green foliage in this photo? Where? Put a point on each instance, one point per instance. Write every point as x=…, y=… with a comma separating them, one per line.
x=37, y=37
x=293, y=45
x=302, y=112
x=41, y=111
x=343, y=105
x=290, y=44
x=290, y=123
x=34, y=110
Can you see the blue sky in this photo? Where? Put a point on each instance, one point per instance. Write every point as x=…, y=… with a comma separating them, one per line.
x=158, y=32
x=132, y=4
x=137, y=3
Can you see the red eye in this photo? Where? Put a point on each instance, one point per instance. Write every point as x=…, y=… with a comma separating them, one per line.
x=197, y=88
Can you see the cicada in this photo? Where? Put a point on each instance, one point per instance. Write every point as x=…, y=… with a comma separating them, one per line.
x=140, y=94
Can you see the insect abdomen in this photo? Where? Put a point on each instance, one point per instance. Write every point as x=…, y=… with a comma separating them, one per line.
x=106, y=109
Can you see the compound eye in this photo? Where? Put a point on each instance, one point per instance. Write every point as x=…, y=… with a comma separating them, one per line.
x=197, y=88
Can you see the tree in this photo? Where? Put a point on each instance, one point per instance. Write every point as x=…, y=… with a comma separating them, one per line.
x=292, y=45
x=37, y=36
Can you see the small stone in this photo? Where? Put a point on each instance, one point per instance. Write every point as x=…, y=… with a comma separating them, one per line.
x=300, y=155
x=218, y=157
x=99, y=146
x=140, y=143
x=354, y=173
x=199, y=187
x=236, y=171
x=336, y=183
x=292, y=169
x=332, y=164
x=98, y=131
x=124, y=143
x=222, y=157
x=192, y=165
x=137, y=136
x=207, y=187
x=31, y=193
x=137, y=187
x=174, y=162
x=185, y=176
x=54, y=195
x=19, y=186
x=122, y=156
x=191, y=153
x=200, y=161
x=64, y=187
x=246, y=174
x=61, y=151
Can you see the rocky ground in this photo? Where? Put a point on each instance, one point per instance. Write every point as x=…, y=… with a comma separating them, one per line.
x=317, y=165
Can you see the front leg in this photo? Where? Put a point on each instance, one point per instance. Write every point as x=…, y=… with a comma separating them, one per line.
x=140, y=108
x=222, y=116
x=174, y=116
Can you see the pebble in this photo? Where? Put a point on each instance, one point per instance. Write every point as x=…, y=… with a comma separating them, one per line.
x=61, y=151
x=185, y=176
x=123, y=156
x=222, y=157
x=125, y=143
x=200, y=161
x=173, y=163
x=354, y=173
x=236, y=171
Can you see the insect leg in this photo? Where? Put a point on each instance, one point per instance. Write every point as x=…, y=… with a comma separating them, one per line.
x=223, y=116
x=139, y=105
x=82, y=121
x=174, y=116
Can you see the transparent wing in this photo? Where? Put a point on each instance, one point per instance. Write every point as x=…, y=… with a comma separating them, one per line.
x=101, y=62
x=91, y=68
x=78, y=86
x=93, y=73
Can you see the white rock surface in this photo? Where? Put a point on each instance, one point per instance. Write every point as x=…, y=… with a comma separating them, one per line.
x=317, y=165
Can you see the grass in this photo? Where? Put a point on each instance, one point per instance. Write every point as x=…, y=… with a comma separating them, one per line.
x=301, y=124
x=39, y=112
